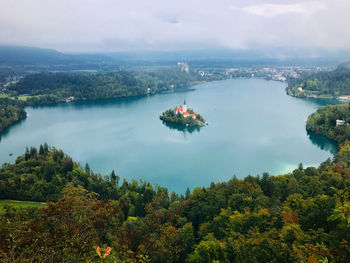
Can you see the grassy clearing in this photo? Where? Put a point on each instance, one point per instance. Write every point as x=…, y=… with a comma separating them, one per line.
x=20, y=204
x=86, y=70
x=23, y=98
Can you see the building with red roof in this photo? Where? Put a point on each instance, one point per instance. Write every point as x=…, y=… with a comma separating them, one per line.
x=179, y=109
x=183, y=110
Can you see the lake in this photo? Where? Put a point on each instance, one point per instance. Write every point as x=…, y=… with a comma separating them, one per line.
x=254, y=127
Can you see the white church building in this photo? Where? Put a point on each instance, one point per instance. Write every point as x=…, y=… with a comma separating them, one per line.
x=183, y=110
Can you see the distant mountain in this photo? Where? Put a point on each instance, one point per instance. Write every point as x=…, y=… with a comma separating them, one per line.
x=236, y=58
x=31, y=56
x=49, y=59
x=13, y=55
x=345, y=65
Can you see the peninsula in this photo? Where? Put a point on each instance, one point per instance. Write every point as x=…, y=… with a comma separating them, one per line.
x=182, y=116
x=332, y=84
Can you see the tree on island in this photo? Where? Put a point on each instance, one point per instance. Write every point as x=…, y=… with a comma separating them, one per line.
x=188, y=118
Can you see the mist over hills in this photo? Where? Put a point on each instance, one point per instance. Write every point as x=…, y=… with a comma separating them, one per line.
x=345, y=65
x=15, y=55
x=243, y=57
x=18, y=56
x=32, y=56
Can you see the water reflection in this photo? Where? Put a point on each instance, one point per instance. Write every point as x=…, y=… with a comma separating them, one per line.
x=323, y=142
x=6, y=131
x=121, y=101
x=322, y=101
x=85, y=104
x=178, y=90
x=182, y=128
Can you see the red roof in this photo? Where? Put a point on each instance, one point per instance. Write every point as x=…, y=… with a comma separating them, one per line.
x=179, y=109
x=186, y=113
x=193, y=115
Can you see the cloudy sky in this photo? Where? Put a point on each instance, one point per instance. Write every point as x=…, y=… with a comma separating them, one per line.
x=114, y=25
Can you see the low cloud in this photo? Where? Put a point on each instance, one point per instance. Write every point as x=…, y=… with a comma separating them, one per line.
x=114, y=25
x=270, y=10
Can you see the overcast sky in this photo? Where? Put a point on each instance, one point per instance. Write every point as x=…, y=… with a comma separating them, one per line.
x=114, y=25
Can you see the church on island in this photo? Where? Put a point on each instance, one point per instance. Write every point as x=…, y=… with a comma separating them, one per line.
x=183, y=110
x=183, y=116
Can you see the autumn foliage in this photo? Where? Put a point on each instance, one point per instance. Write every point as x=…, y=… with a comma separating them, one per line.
x=298, y=217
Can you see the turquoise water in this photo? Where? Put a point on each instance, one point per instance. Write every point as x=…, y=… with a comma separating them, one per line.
x=254, y=127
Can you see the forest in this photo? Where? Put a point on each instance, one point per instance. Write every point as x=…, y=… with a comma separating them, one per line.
x=323, y=84
x=49, y=87
x=323, y=122
x=11, y=111
x=303, y=216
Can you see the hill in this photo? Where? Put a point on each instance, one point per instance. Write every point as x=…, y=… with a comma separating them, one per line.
x=31, y=58
x=11, y=111
x=298, y=217
x=49, y=59
x=345, y=65
x=48, y=87
x=13, y=55
x=323, y=84
x=324, y=122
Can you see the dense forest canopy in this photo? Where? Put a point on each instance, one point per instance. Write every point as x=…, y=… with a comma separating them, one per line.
x=10, y=111
x=303, y=216
x=41, y=174
x=332, y=83
x=298, y=217
x=323, y=122
x=48, y=87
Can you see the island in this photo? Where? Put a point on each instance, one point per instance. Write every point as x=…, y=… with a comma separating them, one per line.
x=183, y=116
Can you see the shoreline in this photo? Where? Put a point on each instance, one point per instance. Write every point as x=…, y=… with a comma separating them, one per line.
x=125, y=98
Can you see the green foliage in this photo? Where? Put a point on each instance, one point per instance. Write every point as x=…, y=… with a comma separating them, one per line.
x=323, y=122
x=47, y=87
x=298, y=217
x=342, y=209
x=40, y=175
x=11, y=111
x=332, y=83
x=209, y=250
x=176, y=118
x=19, y=204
